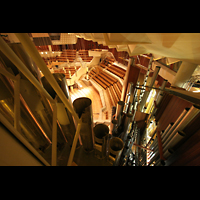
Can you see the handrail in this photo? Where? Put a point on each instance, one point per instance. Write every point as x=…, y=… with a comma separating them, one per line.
x=22, y=139
x=20, y=65
x=33, y=52
x=16, y=129
x=71, y=155
x=30, y=48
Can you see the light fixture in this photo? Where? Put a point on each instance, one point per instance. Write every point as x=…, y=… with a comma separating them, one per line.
x=196, y=91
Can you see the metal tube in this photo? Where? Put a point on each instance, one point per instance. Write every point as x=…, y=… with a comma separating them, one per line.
x=101, y=132
x=116, y=146
x=20, y=65
x=63, y=115
x=126, y=126
x=119, y=111
x=83, y=107
x=166, y=130
x=144, y=99
x=163, y=85
x=146, y=93
x=150, y=63
x=155, y=74
x=194, y=110
x=29, y=125
x=168, y=153
x=129, y=97
x=113, y=127
x=175, y=139
x=17, y=103
x=33, y=52
x=181, y=116
x=54, y=136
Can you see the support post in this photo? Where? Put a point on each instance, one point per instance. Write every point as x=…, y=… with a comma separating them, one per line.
x=33, y=52
x=54, y=136
x=17, y=103
x=71, y=155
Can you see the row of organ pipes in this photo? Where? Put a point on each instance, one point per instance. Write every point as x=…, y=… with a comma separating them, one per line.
x=170, y=137
x=124, y=130
x=36, y=118
x=124, y=127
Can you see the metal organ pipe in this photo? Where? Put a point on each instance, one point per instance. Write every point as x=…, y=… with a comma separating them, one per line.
x=146, y=93
x=83, y=107
x=32, y=51
x=147, y=75
x=193, y=111
x=175, y=139
x=175, y=134
x=127, y=122
x=129, y=97
x=101, y=132
x=119, y=111
x=116, y=146
x=113, y=127
x=64, y=117
x=168, y=153
x=166, y=130
x=167, y=135
x=160, y=93
x=20, y=65
x=155, y=74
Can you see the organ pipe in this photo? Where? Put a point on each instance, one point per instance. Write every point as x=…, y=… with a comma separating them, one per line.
x=175, y=139
x=129, y=97
x=101, y=132
x=83, y=107
x=193, y=111
x=116, y=146
x=146, y=93
x=168, y=153
x=166, y=137
x=166, y=130
x=64, y=117
x=173, y=133
x=155, y=74
x=127, y=122
x=119, y=111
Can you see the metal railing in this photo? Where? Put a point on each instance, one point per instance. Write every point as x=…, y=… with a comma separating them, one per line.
x=32, y=51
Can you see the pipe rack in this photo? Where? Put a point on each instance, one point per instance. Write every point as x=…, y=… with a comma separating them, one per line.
x=172, y=135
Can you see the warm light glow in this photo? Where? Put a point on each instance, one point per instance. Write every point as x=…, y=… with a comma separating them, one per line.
x=197, y=91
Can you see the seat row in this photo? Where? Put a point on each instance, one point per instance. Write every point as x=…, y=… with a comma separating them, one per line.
x=112, y=86
x=69, y=55
x=69, y=71
x=108, y=64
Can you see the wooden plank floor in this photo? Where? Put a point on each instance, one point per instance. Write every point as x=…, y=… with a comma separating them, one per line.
x=90, y=92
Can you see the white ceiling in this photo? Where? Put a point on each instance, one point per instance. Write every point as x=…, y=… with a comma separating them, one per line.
x=180, y=46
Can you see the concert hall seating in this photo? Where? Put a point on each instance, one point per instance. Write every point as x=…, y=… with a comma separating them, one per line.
x=111, y=85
